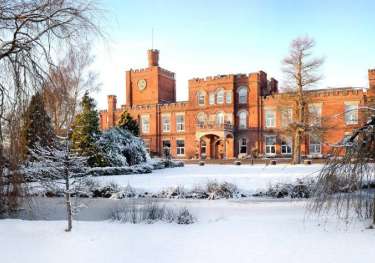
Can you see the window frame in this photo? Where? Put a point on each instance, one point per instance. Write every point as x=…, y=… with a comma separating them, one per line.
x=351, y=112
x=143, y=118
x=268, y=147
x=211, y=98
x=228, y=94
x=166, y=124
x=180, y=149
x=241, y=145
x=240, y=120
x=286, y=143
x=242, y=98
x=222, y=96
x=314, y=146
x=201, y=95
x=267, y=119
x=180, y=126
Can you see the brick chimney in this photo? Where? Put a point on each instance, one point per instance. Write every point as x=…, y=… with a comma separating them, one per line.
x=153, y=57
x=273, y=85
x=371, y=78
x=112, y=104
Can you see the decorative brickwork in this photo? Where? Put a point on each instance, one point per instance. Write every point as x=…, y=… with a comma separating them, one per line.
x=229, y=116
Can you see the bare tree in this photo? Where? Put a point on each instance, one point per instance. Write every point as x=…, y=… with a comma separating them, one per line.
x=346, y=182
x=301, y=71
x=67, y=82
x=32, y=32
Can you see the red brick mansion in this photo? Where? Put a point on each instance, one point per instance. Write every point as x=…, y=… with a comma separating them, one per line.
x=230, y=116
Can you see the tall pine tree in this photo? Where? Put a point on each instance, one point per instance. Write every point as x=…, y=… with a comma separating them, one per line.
x=37, y=126
x=127, y=122
x=86, y=132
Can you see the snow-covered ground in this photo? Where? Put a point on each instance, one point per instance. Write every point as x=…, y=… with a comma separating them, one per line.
x=246, y=177
x=227, y=231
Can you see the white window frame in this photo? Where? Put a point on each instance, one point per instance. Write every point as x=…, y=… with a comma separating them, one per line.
x=201, y=119
x=201, y=98
x=145, y=127
x=314, y=146
x=286, y=146
x=351, y=112
x=315, y=109
x=242, y=143
x=180, y=125
x=166, y=122
x=268, y=147
x=228, y=97
x=220, y=94
x=180, y=150
x=211, y=98
x=286, y=117
x=270, y=122
x=242, y=95
x=242, y=119
x=220, y=118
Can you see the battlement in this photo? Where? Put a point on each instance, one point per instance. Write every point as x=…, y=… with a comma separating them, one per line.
x=182, y=105
x=346, y=91
x=141, y=70
x=211, y=78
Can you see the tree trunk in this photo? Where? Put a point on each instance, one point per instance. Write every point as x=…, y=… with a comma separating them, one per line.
x=297, y=148
x=373, y=212
x=68, y=211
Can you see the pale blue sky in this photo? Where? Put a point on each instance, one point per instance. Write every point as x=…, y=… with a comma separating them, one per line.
x=203, y=38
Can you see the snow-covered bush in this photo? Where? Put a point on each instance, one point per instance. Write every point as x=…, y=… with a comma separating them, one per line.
x=121, y=148
x=151, y=212
x=109, y=171
x=221, y=190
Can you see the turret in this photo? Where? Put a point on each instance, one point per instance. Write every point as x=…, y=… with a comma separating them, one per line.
x=153, y=57
x=112, y=101
x=371, y=78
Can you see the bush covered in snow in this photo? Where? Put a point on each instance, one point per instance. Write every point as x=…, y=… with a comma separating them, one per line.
x=121, y=148
x=303, y=188
x=152, y=212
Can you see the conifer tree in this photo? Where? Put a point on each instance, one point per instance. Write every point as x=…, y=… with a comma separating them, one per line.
x=37, y=127
x=128, y=123
x=86, y=132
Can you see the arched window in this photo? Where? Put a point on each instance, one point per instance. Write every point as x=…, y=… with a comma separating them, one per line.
x=242, y=145
x=242, y=95
x=220, y=96
x=201, y=119
x=220, y=118
x=242, y=120
x=201, y=97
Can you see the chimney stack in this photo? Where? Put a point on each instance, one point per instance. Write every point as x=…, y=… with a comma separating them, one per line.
x=153, y=57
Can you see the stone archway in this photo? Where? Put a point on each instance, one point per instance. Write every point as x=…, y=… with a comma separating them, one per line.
x=207, y=148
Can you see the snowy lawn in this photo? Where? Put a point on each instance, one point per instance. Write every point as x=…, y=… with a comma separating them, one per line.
x=227, y=231
x=246, y=177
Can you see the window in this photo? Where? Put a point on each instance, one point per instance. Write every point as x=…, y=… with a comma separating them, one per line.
x=270, y=145
x=242, y=95
x=286, y=117
x=203, y=147
x=180, y=147
x=145, y=121
x=201, y=98
x=146, y=143
x=180, y=122
x=201, y=119
x=242, y=116
x=270, y=118
x=351, y=113
x=314, y=145
x=228, y=98
x=315, y=113
x=211, y=98
x=286, y=146
x=166, y=121
x=220, y=96
x=219, y=118
x=243, y=146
